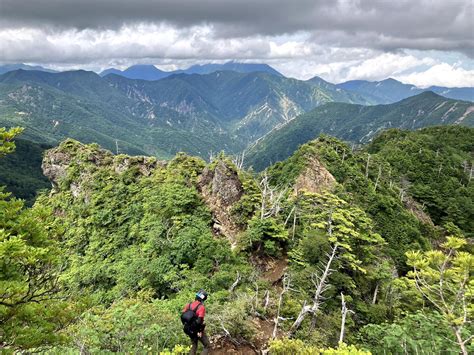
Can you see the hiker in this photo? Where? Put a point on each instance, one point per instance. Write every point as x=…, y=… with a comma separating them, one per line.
x=193, y=322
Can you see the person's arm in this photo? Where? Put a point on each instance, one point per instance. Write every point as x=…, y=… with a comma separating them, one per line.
x=201, y=313
x=200, y=323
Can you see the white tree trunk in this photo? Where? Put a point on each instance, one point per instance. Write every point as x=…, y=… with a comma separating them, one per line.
x=460, y=342
x=344, y=311
x=374, y=299
x=321, y=286
x=286, y=287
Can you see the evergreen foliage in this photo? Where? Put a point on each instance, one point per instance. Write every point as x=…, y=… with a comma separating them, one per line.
x=358, y=124
x=20, y=171
x=105, y=261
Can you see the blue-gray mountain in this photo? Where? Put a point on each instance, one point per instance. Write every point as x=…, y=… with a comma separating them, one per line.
x=195, y=113
x=373, y=92
x=359, y=124
x=11, y=67
x=150, y=72
x=390, y=90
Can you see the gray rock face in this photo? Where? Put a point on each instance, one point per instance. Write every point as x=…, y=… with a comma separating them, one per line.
x=221, y=188
x=225, y=184
x=83, y=160
x=145, y=164
x=55, y=166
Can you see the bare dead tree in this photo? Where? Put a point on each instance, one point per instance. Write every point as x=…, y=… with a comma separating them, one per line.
x=320, y=282
x=226, y=332
x=344, y=311
x=293, y=212
x=293, y=228
x=367, y=166
x=404, y=187
x=390, y=177
x=378, y=177
x=266, y=297
x=264, y=186
x=236, y=282
x=239, y=159
x=376, y=291
x=271, y=198
x=402, y=194
x=211, y=156
x=286, y=286
x=289, y=215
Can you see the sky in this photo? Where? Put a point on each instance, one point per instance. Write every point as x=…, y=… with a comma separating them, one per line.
x=421, y=42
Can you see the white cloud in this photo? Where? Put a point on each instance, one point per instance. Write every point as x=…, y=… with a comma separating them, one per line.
x=442, y=74
x=296, y=55
x=385, y=65
x=340, y=65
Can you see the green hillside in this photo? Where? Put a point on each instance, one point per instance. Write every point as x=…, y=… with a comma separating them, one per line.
x=106, y=260
x=20, y=171
x=358, y=124
x=247, y=105
x=435, y=166
x=82, y=105
x=197, y=114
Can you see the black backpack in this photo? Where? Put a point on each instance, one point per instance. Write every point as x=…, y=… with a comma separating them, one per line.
x=189, y=319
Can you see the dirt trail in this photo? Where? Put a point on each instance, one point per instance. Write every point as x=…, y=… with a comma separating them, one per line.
x=272, y=270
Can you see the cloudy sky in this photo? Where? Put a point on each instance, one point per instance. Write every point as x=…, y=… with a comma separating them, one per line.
x=423, y=42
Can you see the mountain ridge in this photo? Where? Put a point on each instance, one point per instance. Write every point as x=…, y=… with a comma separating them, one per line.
x=151, y=72
x=391, y=90
x=359, y=124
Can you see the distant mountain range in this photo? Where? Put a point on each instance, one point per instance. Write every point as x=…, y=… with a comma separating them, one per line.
x=193, y=113
x=359, y=124
x=11, y=67
x=150, y=72
x=200, y=113
x=390, y=90
x=373, y=92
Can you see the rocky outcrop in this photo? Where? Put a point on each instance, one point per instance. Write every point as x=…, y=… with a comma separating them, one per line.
x=57, y=162
x=221, y=188
x=54, y=166
x=145, y=165
x=314, y=178
x=72, y=164
x=417, y=210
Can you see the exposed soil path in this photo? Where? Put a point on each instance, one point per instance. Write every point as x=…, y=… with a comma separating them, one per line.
x=272, y=271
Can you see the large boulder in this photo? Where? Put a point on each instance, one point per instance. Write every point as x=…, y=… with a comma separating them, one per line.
x=314, y=178
x=221, y=188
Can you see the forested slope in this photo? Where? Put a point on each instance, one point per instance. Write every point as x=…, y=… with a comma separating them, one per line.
x=358, y=124
x=20, y=171
x=107, y=259
x=197, y=114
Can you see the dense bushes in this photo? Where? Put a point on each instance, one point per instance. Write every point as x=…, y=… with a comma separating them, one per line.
x=121, y=244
